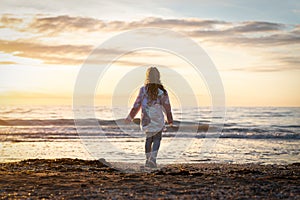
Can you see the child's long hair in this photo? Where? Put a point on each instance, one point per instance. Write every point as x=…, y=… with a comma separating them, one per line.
x=152, y=90
x=152, y=83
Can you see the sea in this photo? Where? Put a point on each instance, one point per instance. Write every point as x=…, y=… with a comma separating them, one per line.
x=261, y=135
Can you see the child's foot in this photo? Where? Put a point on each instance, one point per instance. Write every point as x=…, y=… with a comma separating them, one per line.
x=152, y=164
x=147, y=163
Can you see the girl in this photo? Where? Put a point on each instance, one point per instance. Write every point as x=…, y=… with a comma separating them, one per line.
x=154, y=100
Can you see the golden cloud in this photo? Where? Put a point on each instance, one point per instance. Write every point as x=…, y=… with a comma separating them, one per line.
x=7, y=63
x=243, y=34
x=7, y=21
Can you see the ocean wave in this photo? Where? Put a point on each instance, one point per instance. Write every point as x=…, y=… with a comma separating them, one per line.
x=117, y=128
x=110, y=136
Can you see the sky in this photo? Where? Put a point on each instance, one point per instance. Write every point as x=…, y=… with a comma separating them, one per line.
x=254, y=45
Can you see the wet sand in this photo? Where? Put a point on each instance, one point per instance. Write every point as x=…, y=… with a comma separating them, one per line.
x=81, y=179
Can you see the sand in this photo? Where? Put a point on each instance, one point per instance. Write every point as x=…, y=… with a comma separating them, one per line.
x=81, y=179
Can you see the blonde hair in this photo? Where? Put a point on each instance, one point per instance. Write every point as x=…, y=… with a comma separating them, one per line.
x=152, y=76
x=152, y=83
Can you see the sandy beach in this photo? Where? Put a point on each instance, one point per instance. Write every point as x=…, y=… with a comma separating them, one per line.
x=81, y=179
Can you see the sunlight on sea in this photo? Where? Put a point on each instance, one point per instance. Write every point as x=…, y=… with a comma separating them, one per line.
x=250, y=135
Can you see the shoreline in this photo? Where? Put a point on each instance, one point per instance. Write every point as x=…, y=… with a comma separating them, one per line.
x=91, y=179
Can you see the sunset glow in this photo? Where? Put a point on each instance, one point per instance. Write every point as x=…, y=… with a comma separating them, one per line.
x=255, y=49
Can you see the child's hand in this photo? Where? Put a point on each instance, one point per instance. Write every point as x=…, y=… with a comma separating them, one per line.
x=165, y=129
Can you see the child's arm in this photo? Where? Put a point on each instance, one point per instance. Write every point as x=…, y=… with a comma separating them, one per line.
x=167, y=108
x=136, y=107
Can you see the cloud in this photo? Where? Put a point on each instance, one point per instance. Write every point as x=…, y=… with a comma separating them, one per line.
x=243, y=32
x=50, y=54
x=248, y=34
x=296, y=30
x=7, y=63
x=232, y=29
x=57, y=54
x=240, y=33
x=7, y=21
x=177, y=23
x=64, y=23
x=251, y=34
x=290, y=60
x=59, y=24
x=254, y=26
x=263, y=41
x=287, y=62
